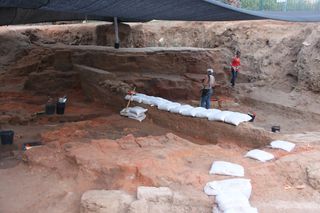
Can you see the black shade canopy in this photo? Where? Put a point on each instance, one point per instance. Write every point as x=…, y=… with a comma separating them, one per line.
x=33, y=11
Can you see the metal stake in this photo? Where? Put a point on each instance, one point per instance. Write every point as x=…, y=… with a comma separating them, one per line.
x=116, y=31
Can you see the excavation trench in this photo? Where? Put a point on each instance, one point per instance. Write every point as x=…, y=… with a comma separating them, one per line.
x=202, y=131
x=174, y=74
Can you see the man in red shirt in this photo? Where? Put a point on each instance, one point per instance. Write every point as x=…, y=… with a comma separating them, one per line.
x=235, y=65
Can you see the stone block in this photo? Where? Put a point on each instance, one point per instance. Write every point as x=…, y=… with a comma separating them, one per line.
x=105, y=201
x=62, y=60
x=139, y=206
x=313, y=175
x=154, y=194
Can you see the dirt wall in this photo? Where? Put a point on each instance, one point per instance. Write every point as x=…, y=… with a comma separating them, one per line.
x=281, y=54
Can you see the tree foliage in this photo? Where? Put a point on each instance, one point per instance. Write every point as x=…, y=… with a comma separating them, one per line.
x=281, y=5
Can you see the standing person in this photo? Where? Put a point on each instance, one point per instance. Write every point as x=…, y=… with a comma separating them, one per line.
x=235, y=65
x=208, y=84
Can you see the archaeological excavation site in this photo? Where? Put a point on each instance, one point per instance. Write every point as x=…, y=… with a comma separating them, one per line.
x=159, y=106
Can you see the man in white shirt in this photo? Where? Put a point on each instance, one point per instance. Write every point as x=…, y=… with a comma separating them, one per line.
x=207, y=90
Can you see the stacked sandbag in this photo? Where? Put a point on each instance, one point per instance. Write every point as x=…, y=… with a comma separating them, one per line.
x=232, y=195
x=136, y=113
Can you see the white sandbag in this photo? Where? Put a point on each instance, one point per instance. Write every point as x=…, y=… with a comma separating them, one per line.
x=202, y=114
x=285, y=145
x=152, y=100
x=137, y=113
x=162, y=99
x=242, y=210
x=226, y=168
x=137, y=98
x=146, y=99
x=233, y=185
x=207, y=112
x=137, y=110
x=141, y=95
x=178, y=109
x=210, y=112
x=209, y=190
x=168, y=106
x=216, y=209
x=155, y=101
x=128, y=97
x=133, y=98
x=197, y=110
x=126, y=112
x=219, y=116
x=140, y=118
x=239, y=209
x=236, y=118
x=232, y=200
x=187, y=111
x=259, y=155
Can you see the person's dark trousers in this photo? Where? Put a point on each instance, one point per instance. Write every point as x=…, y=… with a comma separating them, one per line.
x=205, y=100
x=234, y=75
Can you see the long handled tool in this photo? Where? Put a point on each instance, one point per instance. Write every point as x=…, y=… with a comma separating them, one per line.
x=131, y=93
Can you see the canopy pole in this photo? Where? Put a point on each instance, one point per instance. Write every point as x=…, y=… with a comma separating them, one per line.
x=116, y=32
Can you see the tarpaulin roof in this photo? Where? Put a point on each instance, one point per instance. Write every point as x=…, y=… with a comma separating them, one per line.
x=33, y=11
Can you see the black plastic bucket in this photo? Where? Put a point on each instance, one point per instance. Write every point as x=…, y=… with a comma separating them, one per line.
x=275, y=128
x=60, y=108
x=6, y=137
x=50, y=109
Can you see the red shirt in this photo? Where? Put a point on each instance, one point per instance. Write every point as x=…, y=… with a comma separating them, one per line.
x=235, y=62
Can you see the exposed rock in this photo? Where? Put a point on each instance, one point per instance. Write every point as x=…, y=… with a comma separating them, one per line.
x=93, y=82
x=160, y=207
x=301, y=169
x=153, y=194
x=36, y=60
x=116, y=86
x=139, y=206
x=308, y=62
x=159, y=72
x=62, y=60
x=32, y=35
x=13, y=46
x=103, y=201
x=51, y=81
x=149, y=200
x=313, y=175
x=163, y=199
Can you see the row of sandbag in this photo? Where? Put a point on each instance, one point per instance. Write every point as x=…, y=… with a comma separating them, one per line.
x=232, y=195
x=230, y=117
